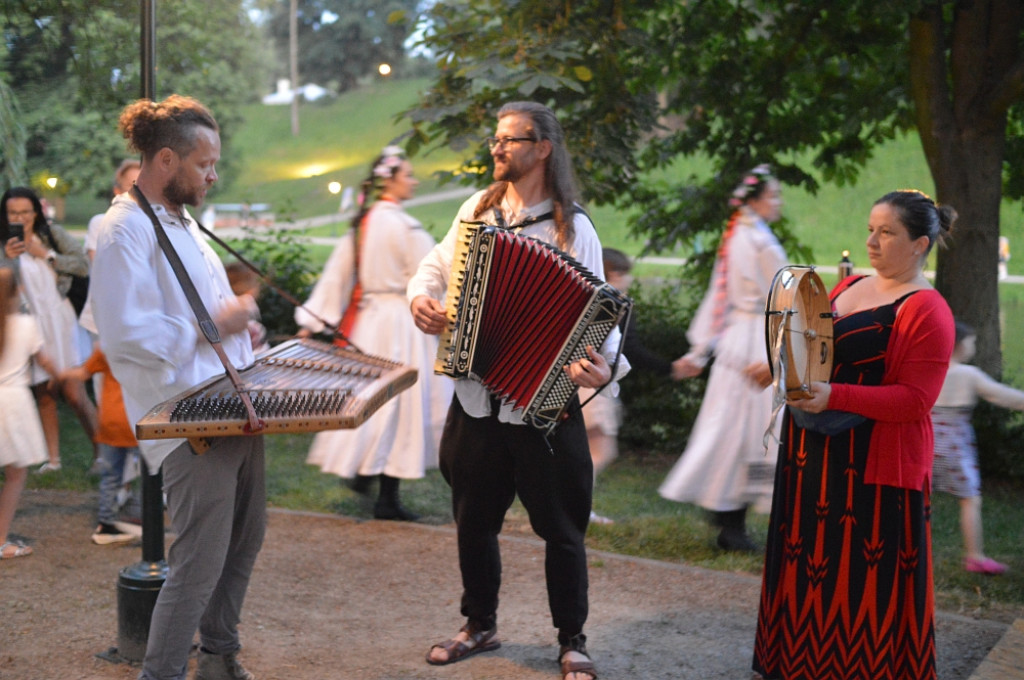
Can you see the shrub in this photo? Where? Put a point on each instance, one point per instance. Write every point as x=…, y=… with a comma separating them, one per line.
x=659, y=412
x=282, y=257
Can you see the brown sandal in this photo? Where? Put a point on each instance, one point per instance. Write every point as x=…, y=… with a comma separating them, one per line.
x=576, y=666
x=457, y=650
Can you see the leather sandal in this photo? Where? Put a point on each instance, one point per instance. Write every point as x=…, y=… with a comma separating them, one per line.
x=483, y=641
x=579, y=646
x=12, y=549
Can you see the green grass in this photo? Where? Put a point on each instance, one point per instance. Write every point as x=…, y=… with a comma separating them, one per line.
x=646, y=525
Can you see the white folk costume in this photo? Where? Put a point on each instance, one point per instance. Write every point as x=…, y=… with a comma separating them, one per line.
x=725, y=466
x=400, y=440
x=53, y=313
x=20, y=429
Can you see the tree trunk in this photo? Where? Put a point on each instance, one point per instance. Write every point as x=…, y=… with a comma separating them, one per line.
x=961, y=92
x=293, y=62
x=967, y=270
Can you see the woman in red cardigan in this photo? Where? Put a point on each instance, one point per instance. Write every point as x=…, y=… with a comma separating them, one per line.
x=847, y=588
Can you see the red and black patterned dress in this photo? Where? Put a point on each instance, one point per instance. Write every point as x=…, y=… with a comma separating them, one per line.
x=847, y=590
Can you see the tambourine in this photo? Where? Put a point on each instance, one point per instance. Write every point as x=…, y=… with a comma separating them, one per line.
x=798, y=330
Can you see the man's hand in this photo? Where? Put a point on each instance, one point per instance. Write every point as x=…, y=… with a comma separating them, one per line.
x=428, y=314
x=592, y=372
x=235, y=315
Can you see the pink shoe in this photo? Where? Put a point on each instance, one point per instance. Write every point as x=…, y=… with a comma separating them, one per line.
x=987, y=566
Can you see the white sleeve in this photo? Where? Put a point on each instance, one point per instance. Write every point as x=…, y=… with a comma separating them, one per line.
x=333, y=289
x=128, y=306
x=431, y=277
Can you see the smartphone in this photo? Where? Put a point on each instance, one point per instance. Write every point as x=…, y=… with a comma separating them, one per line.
x=16, y=230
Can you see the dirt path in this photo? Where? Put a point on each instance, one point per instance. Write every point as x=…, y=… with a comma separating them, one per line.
x=335, y=598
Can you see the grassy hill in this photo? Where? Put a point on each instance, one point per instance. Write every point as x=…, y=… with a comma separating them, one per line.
x=338, y=139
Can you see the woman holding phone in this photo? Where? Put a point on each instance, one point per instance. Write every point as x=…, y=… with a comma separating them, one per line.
x=44, y=257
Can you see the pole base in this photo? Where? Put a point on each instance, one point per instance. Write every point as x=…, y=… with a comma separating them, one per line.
x=138, y=586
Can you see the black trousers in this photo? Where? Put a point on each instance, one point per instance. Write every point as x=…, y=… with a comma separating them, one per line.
x=487, y=463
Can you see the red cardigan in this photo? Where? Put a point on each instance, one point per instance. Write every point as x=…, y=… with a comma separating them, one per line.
x=917, y=356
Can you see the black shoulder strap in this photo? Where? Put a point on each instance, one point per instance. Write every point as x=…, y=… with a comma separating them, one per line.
x=206, y=324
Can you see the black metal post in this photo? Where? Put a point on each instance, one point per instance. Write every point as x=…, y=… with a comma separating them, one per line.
x=845, y=266
x=139, y=584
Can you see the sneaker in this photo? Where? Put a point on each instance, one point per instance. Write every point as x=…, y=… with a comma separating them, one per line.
x=107, y=534
x=986, y=565
x=600, y=519
x=220, y=667
x=48, y=467
x=133, y=528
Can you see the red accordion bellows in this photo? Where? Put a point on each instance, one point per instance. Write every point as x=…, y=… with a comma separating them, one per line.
x=519, y=311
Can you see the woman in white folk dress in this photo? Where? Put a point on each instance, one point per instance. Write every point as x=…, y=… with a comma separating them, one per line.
x=724, y=468
x=21, y=432
x=362, y=290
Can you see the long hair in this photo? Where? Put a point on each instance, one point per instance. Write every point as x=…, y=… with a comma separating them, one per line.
x=150, y=126
x=383, y=168
x=558, y=173
x=40, y=226
x=8, y=287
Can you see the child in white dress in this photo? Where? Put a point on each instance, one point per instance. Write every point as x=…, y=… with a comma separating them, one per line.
x=955, y=468
x=20, y=429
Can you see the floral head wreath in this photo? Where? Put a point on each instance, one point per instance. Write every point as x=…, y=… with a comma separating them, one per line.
x=751, y=184
x=390, y=158
x=384, y=168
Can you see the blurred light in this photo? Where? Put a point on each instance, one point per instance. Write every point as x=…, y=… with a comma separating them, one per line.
x=334, y=187
x=384, y=69
x=51, y=182
x=313, y=170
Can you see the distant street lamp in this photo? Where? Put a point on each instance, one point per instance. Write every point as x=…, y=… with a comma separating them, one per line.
x=384, y=69
x=51, y=182
x=334, y=188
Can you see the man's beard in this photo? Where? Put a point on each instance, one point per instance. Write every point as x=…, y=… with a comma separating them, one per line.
x=511, y=172
x=178, y=194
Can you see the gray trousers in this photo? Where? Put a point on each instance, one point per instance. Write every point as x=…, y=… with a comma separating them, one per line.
x=218, y=509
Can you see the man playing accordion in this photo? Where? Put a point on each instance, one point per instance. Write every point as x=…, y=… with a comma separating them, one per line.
x=487, y=454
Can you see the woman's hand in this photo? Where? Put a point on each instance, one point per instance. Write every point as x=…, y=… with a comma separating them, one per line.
x=685, y=368
x=759, y=373
x=14, y=247
x=592, y=372
x=817, y=402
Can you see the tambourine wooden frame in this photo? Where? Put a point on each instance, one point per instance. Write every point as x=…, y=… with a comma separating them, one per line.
x=798, y=306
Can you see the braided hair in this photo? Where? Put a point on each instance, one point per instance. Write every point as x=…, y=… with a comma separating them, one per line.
x=383, y=168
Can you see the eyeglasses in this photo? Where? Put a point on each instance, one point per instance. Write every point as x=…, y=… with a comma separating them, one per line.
x=15, y=214
x=503, y=142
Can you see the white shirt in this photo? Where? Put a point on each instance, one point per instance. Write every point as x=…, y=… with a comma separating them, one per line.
x=91, y=232
x=432, y=279
x=146, y=327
